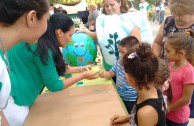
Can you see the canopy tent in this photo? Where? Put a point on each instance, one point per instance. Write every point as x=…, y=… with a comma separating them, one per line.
x=81, y=6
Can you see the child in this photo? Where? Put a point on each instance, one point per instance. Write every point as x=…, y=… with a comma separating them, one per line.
x=141, y=67
x=163, y=81
x=126, y=92
x=178, y=50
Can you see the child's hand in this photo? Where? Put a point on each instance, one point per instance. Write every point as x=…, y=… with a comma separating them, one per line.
x=90, y=75
x=101, y=74
x=119, y=119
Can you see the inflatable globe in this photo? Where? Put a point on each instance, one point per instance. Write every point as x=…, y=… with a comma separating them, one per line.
x=80, y=51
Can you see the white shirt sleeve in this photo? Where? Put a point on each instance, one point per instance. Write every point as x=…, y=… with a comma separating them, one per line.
x=6, y=85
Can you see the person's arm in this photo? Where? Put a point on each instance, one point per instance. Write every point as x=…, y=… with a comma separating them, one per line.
x=71, y=70
x=106, y=74
x=85, y=30
x=50, y=76
x=3, y=119
x=144, y=115
x=136, y=32
x=119, y=119
x=157, y=45
x=185, y=98
x=111, y=72
x=84, y=75
x=148, y=15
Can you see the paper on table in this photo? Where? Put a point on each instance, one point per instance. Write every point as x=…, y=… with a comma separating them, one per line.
x=83, y=106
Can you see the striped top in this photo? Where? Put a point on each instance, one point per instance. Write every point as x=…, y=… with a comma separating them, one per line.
x=125, y=91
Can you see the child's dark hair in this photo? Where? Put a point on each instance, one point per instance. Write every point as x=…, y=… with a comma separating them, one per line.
x=162, y=77
x=163, y=73
x=129, y=41
x=12, y=10
x=141, y=64
x=183, y=41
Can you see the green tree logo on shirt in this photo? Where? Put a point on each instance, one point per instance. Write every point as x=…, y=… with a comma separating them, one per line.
x=113, y=45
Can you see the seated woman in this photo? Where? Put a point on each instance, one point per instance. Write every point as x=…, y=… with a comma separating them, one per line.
x=41, y=64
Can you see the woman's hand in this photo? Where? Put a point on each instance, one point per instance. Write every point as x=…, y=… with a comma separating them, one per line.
x=83, y=29
x=119, y=119
x=87, y=67
x=90, y=75
x=86, y=31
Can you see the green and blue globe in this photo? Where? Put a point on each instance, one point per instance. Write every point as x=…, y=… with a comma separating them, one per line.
x=80, y=51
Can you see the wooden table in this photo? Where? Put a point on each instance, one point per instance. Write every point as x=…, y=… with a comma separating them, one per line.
x=79, y=106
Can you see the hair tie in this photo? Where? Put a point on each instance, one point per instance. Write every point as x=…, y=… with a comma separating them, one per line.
x=187, y=33
x=133, y=55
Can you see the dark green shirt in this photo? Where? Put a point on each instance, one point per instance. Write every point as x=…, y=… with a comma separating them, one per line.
x=28, y=74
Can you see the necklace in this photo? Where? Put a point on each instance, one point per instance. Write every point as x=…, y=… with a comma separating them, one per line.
x=5, y=53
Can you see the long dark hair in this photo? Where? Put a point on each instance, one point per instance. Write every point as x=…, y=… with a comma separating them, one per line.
x=48, y=41
x=12, y=10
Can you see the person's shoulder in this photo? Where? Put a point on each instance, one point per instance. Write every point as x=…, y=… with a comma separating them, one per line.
x=145, y=113
x=189, y=67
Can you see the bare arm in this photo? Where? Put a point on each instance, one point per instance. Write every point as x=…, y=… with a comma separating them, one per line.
x=85, y=30
x=144, y=115
x=119, y=119
x=106, y=74
x=185, y=98
x=84, y=75
x=148, y=15
x=157, y=45
x=136, y=32
x=3, y=119
x=71, y=70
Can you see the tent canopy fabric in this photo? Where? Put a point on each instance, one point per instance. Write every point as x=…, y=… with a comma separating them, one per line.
x=81, y=6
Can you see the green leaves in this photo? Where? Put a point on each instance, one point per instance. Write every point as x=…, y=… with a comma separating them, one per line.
x=110, y=41
x=111, y=52
x=115, y=35
x=111, y=36
x=113, y=45
x=107, y=47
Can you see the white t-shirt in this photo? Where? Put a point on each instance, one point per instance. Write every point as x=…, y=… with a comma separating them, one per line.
x=162, y=7
x=5, y=84
x=111, y=29
x=144, y=8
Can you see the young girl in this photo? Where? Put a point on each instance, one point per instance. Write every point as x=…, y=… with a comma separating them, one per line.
x=140, y=70
x=126, y=92
x=178, y=50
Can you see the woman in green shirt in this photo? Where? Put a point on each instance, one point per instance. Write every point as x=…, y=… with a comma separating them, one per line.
x=36, y=65
x=18, y=20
